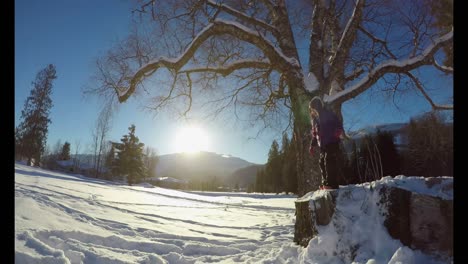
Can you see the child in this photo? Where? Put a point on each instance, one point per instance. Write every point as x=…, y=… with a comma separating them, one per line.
x=327, y=131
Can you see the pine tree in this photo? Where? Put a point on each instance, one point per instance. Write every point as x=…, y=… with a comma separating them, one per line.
x=429, y=151
x=288, y=165
x=280, y=173
x=31, y=133
x=388, y=153
x=129, y=160
x=65, y=154
x=260, y=181
x=273, y=168
x=352, y=170
x=284, y=162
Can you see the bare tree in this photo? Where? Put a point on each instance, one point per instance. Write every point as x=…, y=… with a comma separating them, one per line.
x=99, y=134
x=265, y=59
x=150, y=159
x=57, y=149
x=370, y=164
x=76, y=158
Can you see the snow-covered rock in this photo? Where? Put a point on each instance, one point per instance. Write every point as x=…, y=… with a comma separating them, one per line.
x=391, y=214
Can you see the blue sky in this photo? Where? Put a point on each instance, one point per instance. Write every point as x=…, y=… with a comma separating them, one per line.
x=72, y=34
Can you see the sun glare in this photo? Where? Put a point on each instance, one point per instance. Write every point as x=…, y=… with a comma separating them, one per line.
x=191, y=140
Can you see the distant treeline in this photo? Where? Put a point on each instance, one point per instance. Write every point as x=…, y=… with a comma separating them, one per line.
x=426, y=150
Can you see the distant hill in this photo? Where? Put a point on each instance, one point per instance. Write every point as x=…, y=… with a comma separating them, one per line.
x=396, y=129
x=245, y=176
x=199, y=166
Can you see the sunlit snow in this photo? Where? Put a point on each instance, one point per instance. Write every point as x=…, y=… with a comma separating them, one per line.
x=64, y=218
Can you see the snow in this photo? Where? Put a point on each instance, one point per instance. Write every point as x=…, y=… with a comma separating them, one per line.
x=311, y=83
x=335, y=87
x=357, y=224
x=292, y=61
x=64, y=218
x=170, y=179
x=391, y=63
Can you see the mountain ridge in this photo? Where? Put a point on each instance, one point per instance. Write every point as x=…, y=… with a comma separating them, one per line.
x=199, y=166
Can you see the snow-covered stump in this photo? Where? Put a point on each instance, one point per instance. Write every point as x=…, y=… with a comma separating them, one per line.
x=416, y=211
x=310, y=212
x=304, y=228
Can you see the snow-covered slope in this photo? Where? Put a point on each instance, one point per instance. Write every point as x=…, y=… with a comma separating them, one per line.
x=64, y=218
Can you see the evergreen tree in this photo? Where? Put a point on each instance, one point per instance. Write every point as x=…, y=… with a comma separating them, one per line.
x=351, y=171
x=429, y=150
x=260, y=181
x=388, y=153
x=284, y=163
x=273, y=168
x=288, y=165
x=129, y=160
x=17, y=144
x=291, y=156
x=31, y=133
x=280, y=173
x=65, y=154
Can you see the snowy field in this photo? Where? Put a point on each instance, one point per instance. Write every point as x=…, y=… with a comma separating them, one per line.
x=62, y=218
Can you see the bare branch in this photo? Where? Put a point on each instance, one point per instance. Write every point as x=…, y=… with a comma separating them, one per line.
x=391, y=66
x=280, y=62
x=243, y=17
x=356, y=73
x=269, y=5
x=142, y=8
x=428, y=98
x=316, y=52
x=349, y=34
x=442, y=67
x=375, y=39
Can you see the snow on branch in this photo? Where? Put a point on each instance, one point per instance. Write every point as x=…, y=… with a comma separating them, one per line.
x=347, y=38
x=311, y=83
x=390, y=66
x=243, y=17
x=228, y=69
x=443, y=68
x=356, y=73
x=277, y=59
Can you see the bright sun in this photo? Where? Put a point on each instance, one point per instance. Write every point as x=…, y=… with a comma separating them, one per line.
x=191, y=139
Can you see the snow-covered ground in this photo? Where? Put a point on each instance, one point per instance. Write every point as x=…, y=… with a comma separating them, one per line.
x=64, y=218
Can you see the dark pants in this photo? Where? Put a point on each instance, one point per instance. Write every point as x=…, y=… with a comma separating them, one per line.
x=329, y=166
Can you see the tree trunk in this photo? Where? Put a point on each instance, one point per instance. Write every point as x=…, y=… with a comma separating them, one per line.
x=307, y=166
x=308, y=173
